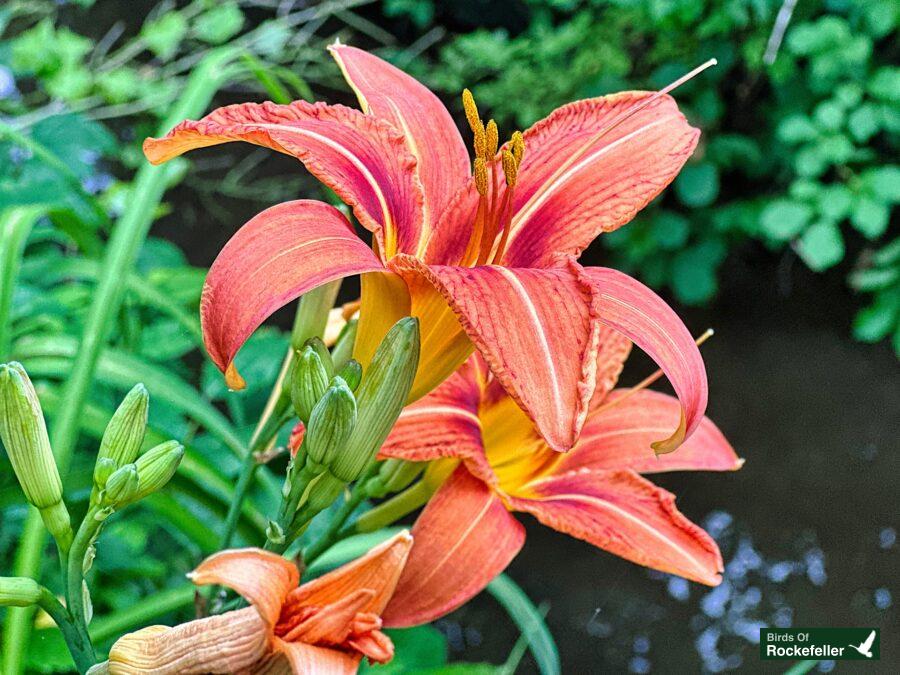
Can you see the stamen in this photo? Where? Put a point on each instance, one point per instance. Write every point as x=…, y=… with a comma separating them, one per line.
x=481, y=178
x=518, y=147
x=492, y=136
x=650, y=379
x=510, y=167
x=471, y=109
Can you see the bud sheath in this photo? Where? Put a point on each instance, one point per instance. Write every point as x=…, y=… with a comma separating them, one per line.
x=308, y=382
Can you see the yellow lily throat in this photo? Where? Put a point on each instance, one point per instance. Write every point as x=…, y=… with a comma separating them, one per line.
x=494, y=214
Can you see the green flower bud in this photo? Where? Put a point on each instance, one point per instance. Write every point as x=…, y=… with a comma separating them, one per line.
x=19, y=592
x=394, y=475
x=343, y=348
x=120, y=488
x=24, y=434
x=103, y=469
x=156, y=467
x=351, y=372
x=330, y=423
x=275, y=533
x=325, y=356
x=308, y=382
x=322, y=491
x=125, y=432
x=381, y=397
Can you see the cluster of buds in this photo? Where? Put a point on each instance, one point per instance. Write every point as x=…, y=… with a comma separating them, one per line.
x=121, y=477
x=346, y=415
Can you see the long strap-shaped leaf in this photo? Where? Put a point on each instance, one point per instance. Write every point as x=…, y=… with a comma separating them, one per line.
x=127, y=237
x=529, y=620
x=15, y=224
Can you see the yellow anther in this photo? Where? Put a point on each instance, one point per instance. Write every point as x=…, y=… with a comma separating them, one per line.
x=480, y=141
x=510, y=167
x=492, y=139
x=518, y=147
x=481, y=176
x=471, y=111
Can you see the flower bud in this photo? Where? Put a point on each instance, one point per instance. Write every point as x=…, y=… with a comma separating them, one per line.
x=103, y=469
x=156, y=467
x=308, y=382
x=24, y=434
x=330, y=423
x=343, y=348
x=125, y=432
x=120, y=487
x=274, y=532
x=325, y=356
x=351, y=372
x=19, y=592
x=381, y=397
x=394, y=475
x=323, y=490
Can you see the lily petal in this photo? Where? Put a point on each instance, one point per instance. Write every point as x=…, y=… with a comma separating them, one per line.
x=450, y=415
x=263, y=578
x=578, y=180
x=332, y=623
x=305, y=659
x=464, y=538
x=362, y=158
x=612, y=354
x=619, y=437
x=273, y=259
x=631, y=308
x=536, y=329
x=226, y=643
x=431, y=134
x=387, y=298
x=627, y=515
x=377, y=571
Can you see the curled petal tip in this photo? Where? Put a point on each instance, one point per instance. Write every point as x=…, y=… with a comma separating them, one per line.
x=233, y=378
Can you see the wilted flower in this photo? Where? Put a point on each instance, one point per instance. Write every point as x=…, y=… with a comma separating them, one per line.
x=324, y=626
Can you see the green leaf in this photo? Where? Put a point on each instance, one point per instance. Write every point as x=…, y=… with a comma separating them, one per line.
x=784, y=219
x=864, y=122
x=835, y=201
x=870, y=217
x=694, y=275
x=530, y=622
x=418, y=649
x=670, y=229
x=698, y=185
x=821, y=246
x=164, y=34
x=876, y=321
x=884, y=182
x=885, y=84
x=220, y=23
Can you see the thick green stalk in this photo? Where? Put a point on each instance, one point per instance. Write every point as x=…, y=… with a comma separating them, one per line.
x=75, y=572
x=127, y=237
x=76, y=637
x=392, y=510
x=15, y=224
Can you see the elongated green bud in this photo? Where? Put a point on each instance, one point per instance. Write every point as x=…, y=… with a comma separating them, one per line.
x=120, y=488
x=24, y=434
x=381, y=397
x=330, y=423
x=343, y=348
x=156, y=467
x=19, y=592
x=325, y=356
x=394, y=475
x=308, y=382
x=351, y=372
x=125, y=432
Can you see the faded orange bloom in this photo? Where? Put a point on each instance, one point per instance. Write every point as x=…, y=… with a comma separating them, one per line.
x=325, y=626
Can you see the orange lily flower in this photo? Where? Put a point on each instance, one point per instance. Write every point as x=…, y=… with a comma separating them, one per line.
x=498, y=464
x=324, y=627
x=483, y=256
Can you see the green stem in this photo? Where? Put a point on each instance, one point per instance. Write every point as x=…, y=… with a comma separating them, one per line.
x=127, y=237
x=75, y=573
x=332, y=534
x=14, y=231
x=392, y=510
x=76, y=637
x=148, y=608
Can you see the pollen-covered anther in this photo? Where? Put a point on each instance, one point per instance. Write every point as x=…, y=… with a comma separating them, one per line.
x=475, y=123
x=492, y=137
x=510, y=167
x=518, y=147
x=481, y=176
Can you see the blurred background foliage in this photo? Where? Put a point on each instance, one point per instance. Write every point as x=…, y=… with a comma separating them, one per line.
x=798, y=160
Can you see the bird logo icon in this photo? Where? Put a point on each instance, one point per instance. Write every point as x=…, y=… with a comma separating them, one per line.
x=865, y=648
